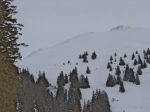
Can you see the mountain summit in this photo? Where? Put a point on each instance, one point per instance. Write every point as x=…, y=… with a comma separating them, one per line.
x=120, y=28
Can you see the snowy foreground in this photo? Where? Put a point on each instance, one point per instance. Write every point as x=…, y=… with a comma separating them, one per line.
x=121, y=40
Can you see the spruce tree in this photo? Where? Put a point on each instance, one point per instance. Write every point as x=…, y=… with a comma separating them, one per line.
x=111, y=58
x=137, y=80
x=80, y=56
x=144, y=51
x=115, y=54
x=135, y=62
x=42, y=79
x=9, y=31
x=126, y=73
x=94, y=55
x=144, y=64
x=140, y=61
x=131, y=76
x=125, y=55
x=118, y=80
x=87, y=82
x=148, y=51
x=121, y=63
x=145, y=56
x=115, y=60
x=9, y=53
x=139, y=70
x=85, y=59
x=88, y=71
x=118, y=72
x=133, y=56
x=110, y=81
x=61, y=79
x=108, y=65
x=66, y=79
x=121, y=88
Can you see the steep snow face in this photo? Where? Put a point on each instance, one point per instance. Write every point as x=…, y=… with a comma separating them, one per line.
x=54, y=59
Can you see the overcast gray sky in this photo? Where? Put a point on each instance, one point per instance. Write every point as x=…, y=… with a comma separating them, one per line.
x=48, y=22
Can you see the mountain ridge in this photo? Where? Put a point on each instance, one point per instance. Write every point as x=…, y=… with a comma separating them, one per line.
x=116, y=29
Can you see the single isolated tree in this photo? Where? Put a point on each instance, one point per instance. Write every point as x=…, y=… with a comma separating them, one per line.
x=94, y=55
x=111, y=58
x=125, y=55
x=88, y=71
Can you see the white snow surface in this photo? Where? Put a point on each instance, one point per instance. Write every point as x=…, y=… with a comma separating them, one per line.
x=135, y=99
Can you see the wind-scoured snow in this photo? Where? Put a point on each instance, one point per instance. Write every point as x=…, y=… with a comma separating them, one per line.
x=54, y=59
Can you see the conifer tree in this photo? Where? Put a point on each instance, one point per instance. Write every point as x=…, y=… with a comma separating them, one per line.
x=86, y=53
x=42, y=79
x=118, y=72
x=139, y=70
x=110, y=81
x=61, y=79
x=9, y=31
x=87, y=82
x=144, y=51
x=115, y=54
x=121, y=63
x=135, y=62
x=88, y=71
x=27, y=92
x=111, y=58
x=9, y=53
x=118, y=80
x=125, y=55
x=131, y=76
x=144, y=64
x=108, y=65
x=94, y=55
x=115, y=60
x=126, y=73
x=140, y=61
x=145, y=56
x=66, y=79
x=84, y=82
x=74, y=96
x=85, y=59
x=148, y=51
x=133, y=56
x=115, y=80
x=137, y=80
x=121, y=88
x=80, y=57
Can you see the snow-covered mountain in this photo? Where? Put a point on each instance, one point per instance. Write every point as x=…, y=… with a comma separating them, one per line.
x=121, y=40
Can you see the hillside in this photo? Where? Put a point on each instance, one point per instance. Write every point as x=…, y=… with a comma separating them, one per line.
x=127, y=40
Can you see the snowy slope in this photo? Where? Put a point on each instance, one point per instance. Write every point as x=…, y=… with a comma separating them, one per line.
x=120, y=40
